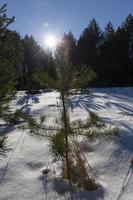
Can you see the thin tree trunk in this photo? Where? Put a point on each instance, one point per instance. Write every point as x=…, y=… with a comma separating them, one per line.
x=66, y=134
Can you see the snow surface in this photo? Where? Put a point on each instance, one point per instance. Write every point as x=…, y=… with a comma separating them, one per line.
x=20, y=172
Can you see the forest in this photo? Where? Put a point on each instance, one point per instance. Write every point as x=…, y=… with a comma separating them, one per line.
x=108, y=52
x=66, y=113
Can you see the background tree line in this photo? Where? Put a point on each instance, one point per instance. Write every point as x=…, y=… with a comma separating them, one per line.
x=109, y=53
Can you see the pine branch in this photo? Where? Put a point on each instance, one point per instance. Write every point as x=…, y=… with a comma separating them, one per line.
x=4, y=147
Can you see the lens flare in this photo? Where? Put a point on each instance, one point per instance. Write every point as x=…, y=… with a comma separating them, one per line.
x=51, y=41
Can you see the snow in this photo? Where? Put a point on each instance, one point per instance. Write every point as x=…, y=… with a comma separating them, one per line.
x=21, y=171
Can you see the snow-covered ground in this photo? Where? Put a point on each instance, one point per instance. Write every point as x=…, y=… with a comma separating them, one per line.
x=20, y=172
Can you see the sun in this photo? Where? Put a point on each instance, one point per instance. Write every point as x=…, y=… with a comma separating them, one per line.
x=51, y=41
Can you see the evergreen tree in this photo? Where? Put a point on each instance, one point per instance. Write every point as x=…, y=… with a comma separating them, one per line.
x=88, y=45
x=31, y=50
x=11, y=58
x=107, y=74
x=69, y=43
x=4, y=20
x=108, y=53
x=4, y=147
x=12, y=50
x=35, y=59
x=66, y=81
x=122, y=57
x=128, y=28
x=7, y=72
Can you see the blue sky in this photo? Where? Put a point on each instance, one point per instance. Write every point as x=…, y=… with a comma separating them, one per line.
x=38, y=17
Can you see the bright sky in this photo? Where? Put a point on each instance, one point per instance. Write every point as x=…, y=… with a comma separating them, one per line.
x=37, y=17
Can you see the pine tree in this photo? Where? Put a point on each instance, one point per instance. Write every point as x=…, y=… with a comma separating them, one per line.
x=67, y=81
x=69, y=42
x=31, y=51
x=4, y=146
x=35, y=58
x=8, y=73
x=125, y=35
x=11, y=58
x=108, y=72
x=88, y=44
x=62, y=136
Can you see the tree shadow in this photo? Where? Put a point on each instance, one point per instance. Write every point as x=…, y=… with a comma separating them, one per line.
x=6, y=130
x=35, y=99
x=34, y=165
x=44, y=179
x=125, y=109
x=86, y=146
x=28, y=98
x=84, y=102
x=23, y=100
x=63, y=189
x=26, y=109
x=126, y=137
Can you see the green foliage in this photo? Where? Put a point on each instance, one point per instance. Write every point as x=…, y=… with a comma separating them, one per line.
x=57, y=144
x=109, y=53
x=68, y=45
x=94, y=128
x=67, y=78
x=94, y=119
x=10, y=61
x=37, y=128
x=102, y=132
x=4, y=147
x=7, y=86
x=88, y=44
x=4, y=20
x=36, y=60
x=17, y=117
